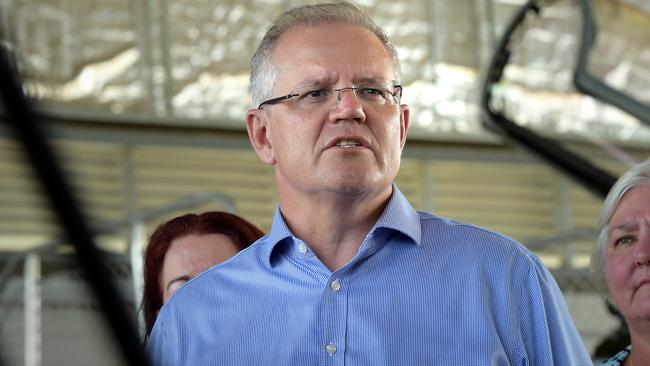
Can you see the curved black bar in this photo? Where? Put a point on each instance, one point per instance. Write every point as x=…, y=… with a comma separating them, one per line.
x=23, y=122
x=585, y=173
x=501, y=54
x=594, y=87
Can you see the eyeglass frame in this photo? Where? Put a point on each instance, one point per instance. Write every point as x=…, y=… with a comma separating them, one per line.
x=398, y=90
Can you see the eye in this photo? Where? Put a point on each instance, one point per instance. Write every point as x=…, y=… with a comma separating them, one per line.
x=374, y=92
x=312, y=98
x=624, y=240
x=315, y=94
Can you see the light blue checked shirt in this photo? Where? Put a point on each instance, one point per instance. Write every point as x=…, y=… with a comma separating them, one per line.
x=422, y=290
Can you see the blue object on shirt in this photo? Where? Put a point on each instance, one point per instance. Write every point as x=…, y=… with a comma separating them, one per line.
x=422, y=290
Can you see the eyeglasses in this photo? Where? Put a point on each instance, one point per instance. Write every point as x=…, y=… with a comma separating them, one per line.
x=371, y=94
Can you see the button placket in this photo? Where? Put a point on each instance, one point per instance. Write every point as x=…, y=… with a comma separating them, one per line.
x=335, y=296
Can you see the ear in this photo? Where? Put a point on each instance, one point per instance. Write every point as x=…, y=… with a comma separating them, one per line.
x=257, y=124
x=403, y=124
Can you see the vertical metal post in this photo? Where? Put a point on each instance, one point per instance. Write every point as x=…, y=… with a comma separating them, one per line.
x=434, y=46
x=136, y=248
x=160, y=57
x=565, y=223
x=477, y=18
x=142, y=21
x=136, y=235
x=428, y=192
x=32, y=272
x=488, y=41
x=166, y=58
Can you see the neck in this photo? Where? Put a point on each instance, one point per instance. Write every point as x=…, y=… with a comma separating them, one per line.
x=640, y=336
x=334, y=225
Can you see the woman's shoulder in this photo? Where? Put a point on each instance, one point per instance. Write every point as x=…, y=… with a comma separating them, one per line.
x=618, y=358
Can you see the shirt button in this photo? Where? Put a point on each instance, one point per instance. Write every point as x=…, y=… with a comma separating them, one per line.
x=335, y=286
x=331, y=348
x=302, y=248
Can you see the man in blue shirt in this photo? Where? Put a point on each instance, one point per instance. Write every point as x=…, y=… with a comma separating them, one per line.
x=350, y=273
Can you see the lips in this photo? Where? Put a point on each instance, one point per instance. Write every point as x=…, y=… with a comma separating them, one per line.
x=348, y=142
x=643, y=282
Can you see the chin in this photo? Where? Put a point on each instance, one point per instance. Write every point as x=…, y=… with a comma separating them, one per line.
x=348, y=188
x=644, y=310
x=356, y=185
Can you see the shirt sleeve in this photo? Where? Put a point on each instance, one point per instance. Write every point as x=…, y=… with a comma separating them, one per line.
x=547, y=330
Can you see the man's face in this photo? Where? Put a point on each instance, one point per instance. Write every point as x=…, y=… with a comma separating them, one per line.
x=348, y=147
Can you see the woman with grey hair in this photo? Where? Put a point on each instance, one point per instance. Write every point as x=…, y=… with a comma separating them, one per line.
x=621, y=259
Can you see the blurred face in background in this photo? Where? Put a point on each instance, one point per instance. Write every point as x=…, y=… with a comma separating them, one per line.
x=190, y=255
x=627, y=255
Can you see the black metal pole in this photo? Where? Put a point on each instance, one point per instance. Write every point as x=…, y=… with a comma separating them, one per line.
x=589, y=85
x=587, y=174
x=22, y=120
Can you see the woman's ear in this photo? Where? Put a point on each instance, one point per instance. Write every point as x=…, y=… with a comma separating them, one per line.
x=259, y=133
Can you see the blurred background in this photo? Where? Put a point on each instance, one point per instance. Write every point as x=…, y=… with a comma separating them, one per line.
x=145, y=101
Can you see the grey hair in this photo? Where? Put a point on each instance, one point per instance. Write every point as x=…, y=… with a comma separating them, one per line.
x=636, y=176
x=263, y=73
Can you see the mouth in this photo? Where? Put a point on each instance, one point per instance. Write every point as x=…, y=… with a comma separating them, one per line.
x=348, y=142
x=643, y=282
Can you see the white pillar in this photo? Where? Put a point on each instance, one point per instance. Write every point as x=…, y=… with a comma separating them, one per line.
x=33, y=334
x=136, y=250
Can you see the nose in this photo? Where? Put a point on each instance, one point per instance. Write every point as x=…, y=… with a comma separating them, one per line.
x=642, y=254
x=348, y=107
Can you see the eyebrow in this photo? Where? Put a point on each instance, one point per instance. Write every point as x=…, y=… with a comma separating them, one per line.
x=184, y=278
x=626, y=227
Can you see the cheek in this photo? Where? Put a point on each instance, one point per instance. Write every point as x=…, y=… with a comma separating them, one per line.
x=388, y=134
x=294, y=136
x=617, y=273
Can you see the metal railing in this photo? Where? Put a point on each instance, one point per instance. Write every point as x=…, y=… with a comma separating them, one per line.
x=32, y=263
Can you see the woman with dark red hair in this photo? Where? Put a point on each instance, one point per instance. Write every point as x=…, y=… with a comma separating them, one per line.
x=185, y=246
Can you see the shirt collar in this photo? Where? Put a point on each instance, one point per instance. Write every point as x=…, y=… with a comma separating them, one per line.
x=279, y=232
x=398, y=216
